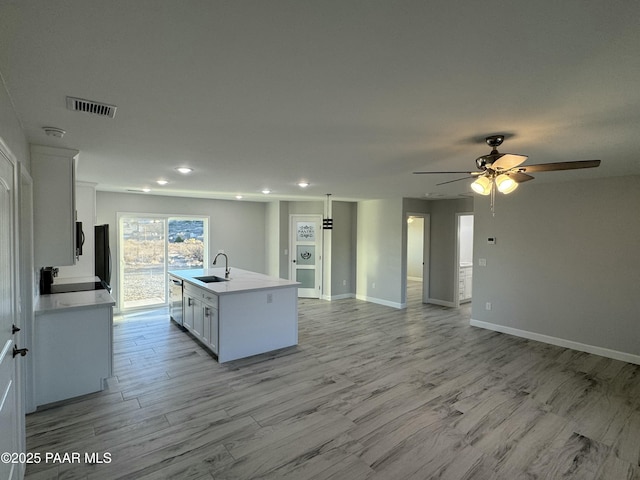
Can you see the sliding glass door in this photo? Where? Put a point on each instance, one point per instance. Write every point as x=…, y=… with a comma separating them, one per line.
x=149, y=246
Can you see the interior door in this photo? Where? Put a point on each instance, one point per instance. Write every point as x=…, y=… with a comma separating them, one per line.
x=11, y=422
x=306, y=254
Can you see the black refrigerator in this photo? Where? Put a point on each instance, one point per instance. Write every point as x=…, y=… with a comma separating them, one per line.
x=102, y=253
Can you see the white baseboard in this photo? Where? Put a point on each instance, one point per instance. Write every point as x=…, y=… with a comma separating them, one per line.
x=380, y=301
x=342, y=296
x=560, y=342
x=442, y=303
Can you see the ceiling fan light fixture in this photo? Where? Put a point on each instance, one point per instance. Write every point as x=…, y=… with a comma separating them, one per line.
x=506, y=184
x=482, y=186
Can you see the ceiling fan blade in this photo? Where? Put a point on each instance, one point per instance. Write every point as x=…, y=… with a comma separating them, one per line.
x=508, y=161
x=520, y=177
x=550, y=167
x=461, y=173
x=456, y=180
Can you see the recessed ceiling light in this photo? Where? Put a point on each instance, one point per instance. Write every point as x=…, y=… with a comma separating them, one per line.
x=238, y=197
x=184, y=170
x=266, y=191
x=146, y=190
x=303, y=184
x=162, y=182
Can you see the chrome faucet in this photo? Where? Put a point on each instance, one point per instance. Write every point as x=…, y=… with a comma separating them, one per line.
x=227, y=270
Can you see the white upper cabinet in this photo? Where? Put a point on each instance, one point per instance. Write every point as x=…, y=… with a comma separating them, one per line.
x=54, y=195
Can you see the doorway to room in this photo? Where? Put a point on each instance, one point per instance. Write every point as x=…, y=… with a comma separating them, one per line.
x=464, y=264
x=418, y=247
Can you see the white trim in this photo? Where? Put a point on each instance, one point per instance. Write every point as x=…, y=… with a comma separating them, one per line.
x=342, y=296
x=560, y=342
x=415, y=279
x=380, y=301
x=442, y=303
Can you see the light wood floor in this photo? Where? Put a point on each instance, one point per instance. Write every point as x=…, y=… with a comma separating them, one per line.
x=371, y=392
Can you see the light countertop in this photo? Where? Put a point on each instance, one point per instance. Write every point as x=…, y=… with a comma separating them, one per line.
x=240, y=280
x=57, y=302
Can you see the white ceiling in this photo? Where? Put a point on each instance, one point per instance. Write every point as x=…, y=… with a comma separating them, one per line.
x=352, y=96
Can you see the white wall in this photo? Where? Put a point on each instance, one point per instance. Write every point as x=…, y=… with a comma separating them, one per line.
x=381, y=264
x=272, y=238
x=343, y=249
x=566, y=265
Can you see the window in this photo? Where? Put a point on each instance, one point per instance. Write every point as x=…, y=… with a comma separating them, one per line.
x=149, y=246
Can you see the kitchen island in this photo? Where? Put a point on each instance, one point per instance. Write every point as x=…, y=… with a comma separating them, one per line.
x=246, y=314
x=72, y=344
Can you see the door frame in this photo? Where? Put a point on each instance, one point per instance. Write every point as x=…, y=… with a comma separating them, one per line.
x=426, y=252
x=456, y=273
x=317, y=219
x=27, y=282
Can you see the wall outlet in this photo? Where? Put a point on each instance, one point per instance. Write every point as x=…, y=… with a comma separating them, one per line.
x=487, y=306
x=344, y=283
x=482, y=262
x=373, y=285
x=269, y=297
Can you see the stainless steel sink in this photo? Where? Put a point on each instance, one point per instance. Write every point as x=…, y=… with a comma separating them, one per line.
x=211, y=279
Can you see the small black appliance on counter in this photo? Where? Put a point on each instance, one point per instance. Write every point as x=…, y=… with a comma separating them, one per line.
x=46, y=279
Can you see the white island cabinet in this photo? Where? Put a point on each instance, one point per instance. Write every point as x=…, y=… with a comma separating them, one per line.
x=73, y=344
x=245, y=315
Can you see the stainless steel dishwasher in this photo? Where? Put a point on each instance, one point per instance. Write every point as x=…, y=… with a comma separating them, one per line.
x=175, y=299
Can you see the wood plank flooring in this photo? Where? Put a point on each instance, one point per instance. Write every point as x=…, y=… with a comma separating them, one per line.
x=371, y=392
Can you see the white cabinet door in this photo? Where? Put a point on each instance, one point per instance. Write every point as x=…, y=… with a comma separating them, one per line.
x=211, y=319
x=198, y=318
x=54, y=205
x=188, y=306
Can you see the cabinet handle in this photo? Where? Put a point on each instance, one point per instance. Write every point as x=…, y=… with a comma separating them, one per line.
x=14, y=329
x=206, y=311
x=188, y=302
x=19, y=351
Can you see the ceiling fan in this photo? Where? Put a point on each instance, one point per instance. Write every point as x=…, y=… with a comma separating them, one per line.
x=504, y=171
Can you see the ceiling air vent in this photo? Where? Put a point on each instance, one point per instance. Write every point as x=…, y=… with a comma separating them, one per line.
x=89, y=106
